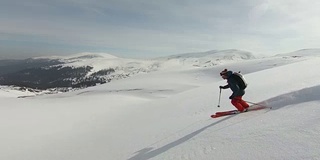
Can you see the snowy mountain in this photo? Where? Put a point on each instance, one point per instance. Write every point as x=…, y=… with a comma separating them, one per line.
x=165, y=115
x=209, y=58
x=231, y=54
x=303, y=52
x=84, y=55
x=89, y=69
x=201, y=59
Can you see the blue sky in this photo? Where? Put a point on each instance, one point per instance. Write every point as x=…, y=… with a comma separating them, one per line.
x=150, y=28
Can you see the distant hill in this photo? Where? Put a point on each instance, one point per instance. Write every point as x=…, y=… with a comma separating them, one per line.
x=11, y=66
x=88, y=69
x=210, y=58
x=303, y=52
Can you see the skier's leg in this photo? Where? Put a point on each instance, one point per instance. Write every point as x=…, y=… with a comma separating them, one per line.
x=236, y=102
x=244, y=104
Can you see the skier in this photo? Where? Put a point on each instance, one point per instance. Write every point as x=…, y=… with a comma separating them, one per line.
x=237, y=92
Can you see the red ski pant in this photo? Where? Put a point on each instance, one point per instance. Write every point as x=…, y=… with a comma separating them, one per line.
x=240, y=104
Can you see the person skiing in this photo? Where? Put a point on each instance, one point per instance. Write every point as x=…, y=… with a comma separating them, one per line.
x=237, y=92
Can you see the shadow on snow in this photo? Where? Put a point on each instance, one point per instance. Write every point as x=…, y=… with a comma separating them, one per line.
x=292, y=98
x=296, y=97
x=149, y=152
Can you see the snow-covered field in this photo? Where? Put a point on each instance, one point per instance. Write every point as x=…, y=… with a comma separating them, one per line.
x=165, y=115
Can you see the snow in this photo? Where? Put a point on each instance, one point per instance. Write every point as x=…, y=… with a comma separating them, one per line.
x=7, y=91
x=99, y=61
x=83, y=55
x=165, y=114
x=303, y=52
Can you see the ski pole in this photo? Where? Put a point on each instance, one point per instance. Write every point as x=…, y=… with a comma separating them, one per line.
x=255, y=103
x=219, y=98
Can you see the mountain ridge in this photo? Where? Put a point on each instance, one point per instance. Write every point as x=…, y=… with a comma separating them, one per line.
x=89, y=69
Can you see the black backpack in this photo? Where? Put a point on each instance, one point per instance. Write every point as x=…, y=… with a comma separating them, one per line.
x=240, y=79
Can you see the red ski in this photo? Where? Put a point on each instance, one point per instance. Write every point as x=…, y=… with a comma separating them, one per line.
x=231, y=112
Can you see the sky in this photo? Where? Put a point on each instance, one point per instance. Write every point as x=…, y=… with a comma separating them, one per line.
x=144, y=28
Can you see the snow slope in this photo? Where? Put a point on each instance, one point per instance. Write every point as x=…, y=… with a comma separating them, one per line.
x=208, y=58
x=304, y=52
x=166, y=115
x=101, y=61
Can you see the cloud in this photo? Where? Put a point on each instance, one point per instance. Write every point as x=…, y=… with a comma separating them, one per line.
x=155, y=28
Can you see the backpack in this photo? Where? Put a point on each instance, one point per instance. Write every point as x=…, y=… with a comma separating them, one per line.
x=240, y=79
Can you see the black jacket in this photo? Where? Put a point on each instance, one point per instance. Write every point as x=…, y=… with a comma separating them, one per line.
x=233, y=85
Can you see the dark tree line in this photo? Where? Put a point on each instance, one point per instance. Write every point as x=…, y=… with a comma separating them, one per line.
x=53, y=77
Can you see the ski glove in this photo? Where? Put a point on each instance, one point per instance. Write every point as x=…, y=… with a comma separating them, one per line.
x=224, y=87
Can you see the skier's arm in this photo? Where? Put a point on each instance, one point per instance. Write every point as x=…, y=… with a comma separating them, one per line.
x=235, y=88
x=224, y=87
